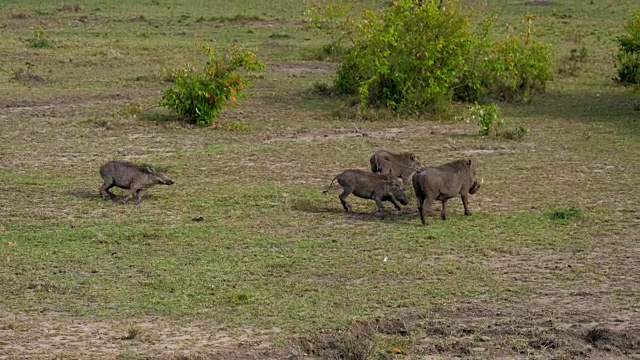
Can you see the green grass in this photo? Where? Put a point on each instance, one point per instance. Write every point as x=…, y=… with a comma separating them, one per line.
x=556, y=216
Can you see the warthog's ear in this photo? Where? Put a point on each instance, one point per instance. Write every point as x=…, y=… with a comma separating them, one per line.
x=149, y=169
x=413, y=157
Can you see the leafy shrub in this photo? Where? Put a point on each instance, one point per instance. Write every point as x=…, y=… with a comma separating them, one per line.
x=407, y=57
x=490, y=123
x=413, y=58
x=335, y=21
x=39, y=40
x=566, y=214
x=487, y=117
x=629, y=52
x=512, y=69
x=201, y=96
x=572, y=64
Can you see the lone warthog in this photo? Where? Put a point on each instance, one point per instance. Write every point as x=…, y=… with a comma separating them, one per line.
x=402, y=164
x=442, y=183
x=366, y=185
x=133, y=177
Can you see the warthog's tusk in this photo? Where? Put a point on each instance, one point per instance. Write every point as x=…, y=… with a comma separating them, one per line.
x=482, y=181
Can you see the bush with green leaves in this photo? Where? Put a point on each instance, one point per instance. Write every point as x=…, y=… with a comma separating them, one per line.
x=490, y=123
x=406, y=57
x=628, y=58
x=39, y=40
x=415, y=57
x=201, y=95
x=335, y=21
x=512, y=69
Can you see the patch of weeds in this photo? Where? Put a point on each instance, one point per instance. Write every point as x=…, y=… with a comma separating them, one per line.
x=39, y=40
x=131, y=110
x=19, y=15
x=277, y=35
x=236, y=299
x=571, y=213
x=354, y=343
x=27, y=76
x=571, y=64
x=322, y=89
x=488, y=117
x=69, y=8
x=133, y=331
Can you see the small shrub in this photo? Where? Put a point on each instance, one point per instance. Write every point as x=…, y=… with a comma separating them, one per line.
x=201, y=96
x=490, y=123
x=335, y=21
x=39, y=40
x=133, y=331
x=628, y=58
x=26, y=76
x=277, y=35
x=487, y=117
x=514, y=134
x=407, y=57
x=572, y=64
x=322, y=89
x=571, y=213
x=69, y=8
x=131, y=110
x=239, y=299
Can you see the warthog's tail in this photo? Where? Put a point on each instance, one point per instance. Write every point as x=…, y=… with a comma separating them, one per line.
x=329, y=188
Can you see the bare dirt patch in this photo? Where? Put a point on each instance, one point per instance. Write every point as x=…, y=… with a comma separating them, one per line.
x=57, y=335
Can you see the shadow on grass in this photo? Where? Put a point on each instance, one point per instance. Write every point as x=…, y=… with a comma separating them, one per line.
x=86, y=194
x=389, y=213
x=119, y=199
x=613, y=104
x=163, y=118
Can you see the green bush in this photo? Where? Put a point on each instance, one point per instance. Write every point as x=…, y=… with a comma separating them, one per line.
x=407, y=57
x=490, y=123
x=487, y=117
x=201, y=96
x=629, y=52
x=335, y=21
x=413, y=58
x=39, y=40
x=512, y=69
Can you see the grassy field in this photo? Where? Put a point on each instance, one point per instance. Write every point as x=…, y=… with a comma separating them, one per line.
x=546, y=267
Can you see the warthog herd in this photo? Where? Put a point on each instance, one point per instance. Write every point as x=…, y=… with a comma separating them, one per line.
x=386, y=182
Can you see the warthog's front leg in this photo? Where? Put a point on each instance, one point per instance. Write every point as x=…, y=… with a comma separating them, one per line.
x=465, y=203
x=380, y=208
x=395, y=203
x=104, y=190
x=443, y=213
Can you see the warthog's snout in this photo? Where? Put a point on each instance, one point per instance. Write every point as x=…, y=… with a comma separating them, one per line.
x=170, y=182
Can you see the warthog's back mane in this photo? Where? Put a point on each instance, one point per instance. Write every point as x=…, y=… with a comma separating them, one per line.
x=457, y=165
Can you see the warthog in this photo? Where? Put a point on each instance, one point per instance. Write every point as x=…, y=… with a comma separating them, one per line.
x=442, y=183
x=366, y=185
x=402, y=164
x=133, y=177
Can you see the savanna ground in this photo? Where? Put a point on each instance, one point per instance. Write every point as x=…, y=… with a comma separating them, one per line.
x=546, y=267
